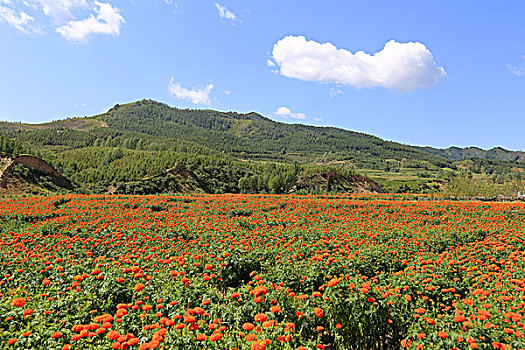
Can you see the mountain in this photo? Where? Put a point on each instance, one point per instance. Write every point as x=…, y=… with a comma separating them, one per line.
x=496, y=153
x=243, y=136
x=229, y=152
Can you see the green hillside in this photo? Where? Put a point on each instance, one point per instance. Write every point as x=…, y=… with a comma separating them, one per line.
x=231, y=152
x=496, y=153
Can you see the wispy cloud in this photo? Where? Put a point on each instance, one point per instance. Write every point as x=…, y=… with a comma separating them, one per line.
x=336, y=91
x=195, y=95
x=59, y=10
x=398, y=66
x=177, y=6
x=107, y=21
x=224, y=13
x=18, y=19
x=517, y=69
x=104, y=18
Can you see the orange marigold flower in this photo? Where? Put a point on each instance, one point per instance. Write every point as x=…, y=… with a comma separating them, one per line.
x=113, y=335
x=189, y=319
x=215, y=336
x=248, y=327
x=19, y=302
x=260, y=317
x=318, y=312
x=443, y=335
x=459, y=318
x=275, y=309
x=333, y=282
x=139, y=287
x=28, y=312
x=56, y=335
x=271, y=323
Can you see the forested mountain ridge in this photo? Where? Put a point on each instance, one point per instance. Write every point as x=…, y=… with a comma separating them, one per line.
x=496, y=153
x=232, y=152
x=252, y=136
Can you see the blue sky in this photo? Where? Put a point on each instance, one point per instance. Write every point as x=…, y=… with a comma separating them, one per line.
x=418, y=72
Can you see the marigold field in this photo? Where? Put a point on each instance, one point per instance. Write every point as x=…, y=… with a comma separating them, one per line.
x=260, y=272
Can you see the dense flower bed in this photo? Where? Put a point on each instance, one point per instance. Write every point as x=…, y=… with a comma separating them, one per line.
x=260, y=272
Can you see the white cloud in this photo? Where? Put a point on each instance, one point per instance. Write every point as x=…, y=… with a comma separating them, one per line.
x=59, y=10
x=270, y=63
x=105, y=18
x=175, y=4
x=225, y=13
x=399, y=66
x=336, y=91
x=227, y=92
x=196, y=96
x=107, y=21
x=19, y=20
x=519, y=69
x=285, y=112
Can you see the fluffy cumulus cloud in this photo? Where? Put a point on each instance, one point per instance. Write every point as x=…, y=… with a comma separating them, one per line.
x=195, y=95
x=225, y=13
x=285, y=112
x=398, y=66
x=107, y=21
x=104, y=19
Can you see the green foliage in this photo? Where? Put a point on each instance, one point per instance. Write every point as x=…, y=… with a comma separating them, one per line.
x=232, y=152
x=467, y=185
x=10, y=146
